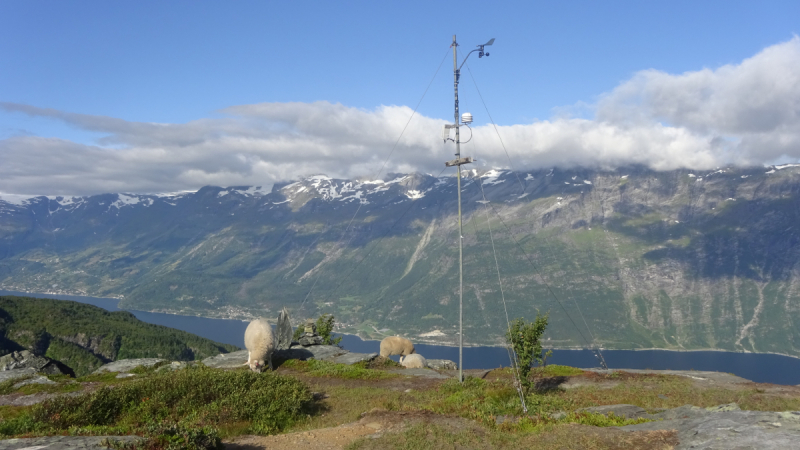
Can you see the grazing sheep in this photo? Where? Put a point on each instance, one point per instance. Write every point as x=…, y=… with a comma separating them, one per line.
x=395, y=345
x=413, y=361
x=260, y=343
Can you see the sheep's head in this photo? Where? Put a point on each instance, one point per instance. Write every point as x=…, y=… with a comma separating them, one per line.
x=256, y=365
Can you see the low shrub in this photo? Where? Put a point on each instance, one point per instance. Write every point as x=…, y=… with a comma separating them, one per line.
x=191, y=398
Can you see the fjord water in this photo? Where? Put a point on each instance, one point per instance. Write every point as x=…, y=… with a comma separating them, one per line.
x=758, y=367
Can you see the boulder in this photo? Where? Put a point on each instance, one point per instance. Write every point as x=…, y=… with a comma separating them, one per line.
x=307, y=341
x=442, y=364
x=175, y=365
x=283, y=331
x=26, y=359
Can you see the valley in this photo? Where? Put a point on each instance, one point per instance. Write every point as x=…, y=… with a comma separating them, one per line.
x=626, y=258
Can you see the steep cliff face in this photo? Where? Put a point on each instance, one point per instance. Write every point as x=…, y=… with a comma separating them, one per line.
x=105, y=347
x=626, y=258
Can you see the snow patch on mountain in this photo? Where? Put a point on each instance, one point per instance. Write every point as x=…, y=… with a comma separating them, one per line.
x=492, y=177
x=15, y=199
x=786, y=166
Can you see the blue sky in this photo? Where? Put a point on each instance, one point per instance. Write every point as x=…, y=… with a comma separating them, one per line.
x=153, y=96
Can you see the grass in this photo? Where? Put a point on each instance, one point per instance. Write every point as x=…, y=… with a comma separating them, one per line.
x=555, y=370
x=328, y=369
x=194, y=398
x=58, y=388
x=195, y=407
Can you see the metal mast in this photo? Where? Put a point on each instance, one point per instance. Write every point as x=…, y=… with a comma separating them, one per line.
x=457, y=163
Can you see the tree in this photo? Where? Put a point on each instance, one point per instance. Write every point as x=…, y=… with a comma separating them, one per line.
x=525, y=340
x=325, y=329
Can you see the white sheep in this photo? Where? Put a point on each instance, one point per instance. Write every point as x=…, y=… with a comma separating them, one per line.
x=260, y=343
x=396, y=345
x=413, y=361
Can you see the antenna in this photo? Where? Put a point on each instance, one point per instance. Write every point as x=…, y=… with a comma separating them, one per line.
x=457, y=163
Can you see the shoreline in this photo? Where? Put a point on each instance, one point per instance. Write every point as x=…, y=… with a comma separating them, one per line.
x=424, y=342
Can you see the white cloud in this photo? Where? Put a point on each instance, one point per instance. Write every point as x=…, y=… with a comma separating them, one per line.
x=744, y=114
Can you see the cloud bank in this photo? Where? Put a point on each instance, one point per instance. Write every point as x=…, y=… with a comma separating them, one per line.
x=742, y=114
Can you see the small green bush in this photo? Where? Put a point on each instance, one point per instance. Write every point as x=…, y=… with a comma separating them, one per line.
x=525, y=339
x=325, y=324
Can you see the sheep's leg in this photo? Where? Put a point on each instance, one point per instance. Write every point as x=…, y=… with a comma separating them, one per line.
x=269, y=359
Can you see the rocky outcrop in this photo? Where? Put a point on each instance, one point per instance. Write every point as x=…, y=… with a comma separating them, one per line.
x=283, y=331
x=332, y=353
x=25, y=359
x=442, y=364
x=716, y=427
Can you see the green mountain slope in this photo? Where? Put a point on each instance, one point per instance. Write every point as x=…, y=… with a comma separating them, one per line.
x=84, y=337
x=627, y=258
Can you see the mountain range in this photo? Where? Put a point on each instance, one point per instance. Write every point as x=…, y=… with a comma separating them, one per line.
x=624, y=258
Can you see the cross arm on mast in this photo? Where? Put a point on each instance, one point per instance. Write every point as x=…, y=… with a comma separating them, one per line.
x=459, y=161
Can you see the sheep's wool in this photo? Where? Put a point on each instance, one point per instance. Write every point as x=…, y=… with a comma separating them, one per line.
x=260, y=343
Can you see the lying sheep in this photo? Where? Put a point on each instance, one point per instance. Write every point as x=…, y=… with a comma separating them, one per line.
x=413, y=361
x=260, y=343
x=395, y=345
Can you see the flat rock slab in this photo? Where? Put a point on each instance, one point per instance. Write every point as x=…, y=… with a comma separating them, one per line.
x=63, y=442
x=720, y=377
x=126, y=365
x=353, y=358
x=424, y=373
x=232, y=360
x=740, y=430
x=13, y=374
